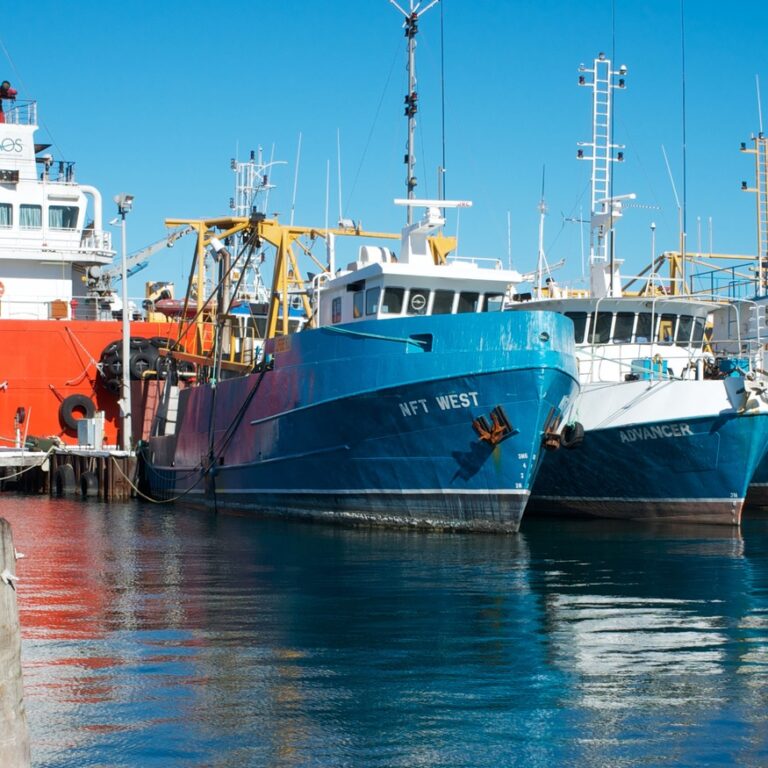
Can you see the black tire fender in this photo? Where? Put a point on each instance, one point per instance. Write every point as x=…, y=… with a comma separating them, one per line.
x=64, y=480
x=89, y=484
x=71, y=405
x=573, y=435
x=143, y=360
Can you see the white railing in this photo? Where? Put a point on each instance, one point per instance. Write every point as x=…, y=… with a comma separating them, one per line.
x=20, y=112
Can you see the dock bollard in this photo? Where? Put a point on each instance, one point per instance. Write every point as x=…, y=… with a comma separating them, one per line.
x=14, y=733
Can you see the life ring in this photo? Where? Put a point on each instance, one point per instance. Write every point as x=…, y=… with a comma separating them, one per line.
x=75, y=404
x=573, y=435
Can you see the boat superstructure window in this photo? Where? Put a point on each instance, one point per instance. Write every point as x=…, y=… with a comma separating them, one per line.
x=6, y=215
x=468, y=302
x=493, y=302
x=600, y=333
x=62, y=216
x=392, y=302
x=30, y=216
x=644, y=329
x=698, y=331
x=667, y=328
x=684, y=328
x=358, y=304
x=418, y=299
x=442, y=303
x=579, y=325
x=622, y=329
x=336, y=310
x=372, y=296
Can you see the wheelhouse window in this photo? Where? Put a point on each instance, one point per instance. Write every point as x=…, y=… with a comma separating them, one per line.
x=30, y=216
x=6, y=215
x=392, y=302
x=667, y=329
x=579, y=325
x=418, y=299
x=622, y=330
x=468, y=302
x=493, y=302
x=644, y=330
x=684, y=328
x=601, y=329
x=336, y=310
x=442, y=303
x=372, y=300
x=698, y=330
x=358, y=304
x=62, y=216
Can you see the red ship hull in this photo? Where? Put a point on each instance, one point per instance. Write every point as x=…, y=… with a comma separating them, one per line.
x=44, y=362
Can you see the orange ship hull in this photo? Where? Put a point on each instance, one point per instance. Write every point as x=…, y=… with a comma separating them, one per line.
x=44, y=362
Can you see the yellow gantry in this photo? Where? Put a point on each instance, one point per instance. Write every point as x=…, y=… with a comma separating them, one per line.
x=286, y=280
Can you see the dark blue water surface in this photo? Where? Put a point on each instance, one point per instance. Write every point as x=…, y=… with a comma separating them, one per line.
x=155, y=636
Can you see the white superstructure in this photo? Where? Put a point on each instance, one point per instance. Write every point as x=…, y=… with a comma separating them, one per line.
x=50, y=226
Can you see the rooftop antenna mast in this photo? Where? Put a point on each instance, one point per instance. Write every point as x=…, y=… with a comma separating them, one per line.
x=760, y=151
x=541, y=261
x=605, y=207
x=252, y=187
x=412, y=17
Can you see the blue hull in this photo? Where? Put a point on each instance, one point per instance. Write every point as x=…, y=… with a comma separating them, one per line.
x=373, y=423
x=650, y=473
x=758, y=488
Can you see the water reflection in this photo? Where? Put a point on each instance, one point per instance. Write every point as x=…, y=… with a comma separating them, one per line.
x=156, y=637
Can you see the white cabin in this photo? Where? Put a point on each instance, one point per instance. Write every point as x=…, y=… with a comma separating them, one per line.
x=381, y=284
x=50, y=226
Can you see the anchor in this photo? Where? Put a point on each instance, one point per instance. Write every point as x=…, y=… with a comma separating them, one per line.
x=499, y=429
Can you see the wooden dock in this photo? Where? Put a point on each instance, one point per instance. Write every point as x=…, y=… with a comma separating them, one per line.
x=70, y=471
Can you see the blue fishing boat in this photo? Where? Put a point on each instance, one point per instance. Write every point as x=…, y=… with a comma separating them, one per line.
x=409, y=399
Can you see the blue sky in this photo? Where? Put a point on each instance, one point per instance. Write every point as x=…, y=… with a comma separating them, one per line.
x=156, y=98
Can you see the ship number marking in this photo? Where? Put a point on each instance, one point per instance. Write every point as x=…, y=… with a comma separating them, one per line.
x=655, y=432
x=443, y=402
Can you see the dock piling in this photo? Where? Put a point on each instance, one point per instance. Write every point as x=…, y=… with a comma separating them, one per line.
x=14, y=732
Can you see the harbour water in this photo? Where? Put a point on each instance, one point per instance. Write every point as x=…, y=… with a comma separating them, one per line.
x=155, y=636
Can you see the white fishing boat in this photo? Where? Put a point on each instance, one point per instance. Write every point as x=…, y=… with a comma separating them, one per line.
x=673, y=426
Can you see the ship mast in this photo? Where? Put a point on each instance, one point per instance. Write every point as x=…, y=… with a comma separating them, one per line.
x=605, y=207
x=252, y=186
x=760, y=151
x=412, y=17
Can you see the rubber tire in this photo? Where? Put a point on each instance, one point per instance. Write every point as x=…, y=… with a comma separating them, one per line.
x=89, y=484
x=573, y=435
x=143, y=360
x=75, y=403
x=64, y=480
x=113, y=386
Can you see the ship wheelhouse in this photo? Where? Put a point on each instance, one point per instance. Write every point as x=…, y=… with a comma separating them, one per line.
x=626, y=338
x=50, y=226
x=379, y=285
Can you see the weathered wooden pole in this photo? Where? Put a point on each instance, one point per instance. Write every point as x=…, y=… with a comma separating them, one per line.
x=14, y=734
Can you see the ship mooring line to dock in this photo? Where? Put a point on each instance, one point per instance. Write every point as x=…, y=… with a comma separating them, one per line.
x=159, y=501
x=93, y=361
x=30, y=467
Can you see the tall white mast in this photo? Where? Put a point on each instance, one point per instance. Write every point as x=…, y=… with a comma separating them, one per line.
x=605, y=207
x=411, y=98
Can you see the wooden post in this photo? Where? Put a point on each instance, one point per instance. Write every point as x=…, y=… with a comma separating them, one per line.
x=14, y=734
